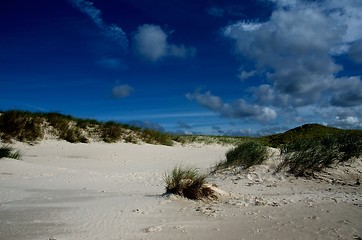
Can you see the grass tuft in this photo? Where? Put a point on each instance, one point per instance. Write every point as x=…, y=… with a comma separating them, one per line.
x=246, y=154
x=187, y=182
x=9, y=152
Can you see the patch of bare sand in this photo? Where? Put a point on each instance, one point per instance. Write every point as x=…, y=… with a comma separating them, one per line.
x=114, y=191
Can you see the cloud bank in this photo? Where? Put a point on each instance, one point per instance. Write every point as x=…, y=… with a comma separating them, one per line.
x=150, y=42
x=295, y=56
x=238, y=109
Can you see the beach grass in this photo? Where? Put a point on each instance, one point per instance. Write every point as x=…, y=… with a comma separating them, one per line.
x=187, y=182
x=31, y=127
x=7, y=151
x=20, y=125
x=303, y=157
x=245, y=155
x=156, y=137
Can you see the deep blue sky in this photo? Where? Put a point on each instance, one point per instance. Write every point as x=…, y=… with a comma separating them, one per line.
x=200, y=66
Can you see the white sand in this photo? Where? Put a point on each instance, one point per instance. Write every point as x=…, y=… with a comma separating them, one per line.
x=114, y=191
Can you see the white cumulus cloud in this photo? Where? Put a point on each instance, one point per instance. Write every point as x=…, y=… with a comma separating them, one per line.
x=150, y=42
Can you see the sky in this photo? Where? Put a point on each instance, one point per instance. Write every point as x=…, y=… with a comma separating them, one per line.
x=221, y=67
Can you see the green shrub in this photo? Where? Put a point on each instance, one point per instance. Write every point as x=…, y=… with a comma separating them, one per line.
x=9, y=152
x=246, y=154
x=187, y=182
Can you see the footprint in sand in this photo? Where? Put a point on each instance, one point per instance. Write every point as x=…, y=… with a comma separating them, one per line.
x=153, y=229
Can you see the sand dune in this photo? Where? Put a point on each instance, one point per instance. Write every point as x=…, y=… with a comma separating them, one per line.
x=115, y=191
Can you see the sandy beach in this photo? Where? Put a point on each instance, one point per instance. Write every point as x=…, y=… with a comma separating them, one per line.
x=64, y=191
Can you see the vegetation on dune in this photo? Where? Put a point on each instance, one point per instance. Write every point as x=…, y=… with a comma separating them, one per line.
x=187, y=182
x=154, y=137
x=304, y=150
x=303, y=157
x=21, y=126
x=245, y=155
x=31, y=127
x=9, y=152
x=203, y=139
x=111, y=132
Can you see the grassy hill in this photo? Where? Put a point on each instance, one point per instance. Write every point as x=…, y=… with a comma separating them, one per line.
x=305, y=132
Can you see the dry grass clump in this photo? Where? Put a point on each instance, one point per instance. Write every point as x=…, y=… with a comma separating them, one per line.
x=188, y=182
